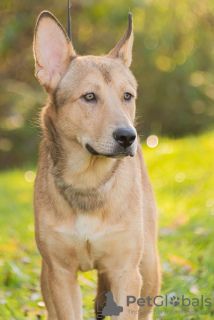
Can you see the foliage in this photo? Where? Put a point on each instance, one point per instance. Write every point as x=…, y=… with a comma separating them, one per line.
x=173, y=63
x=182, y=175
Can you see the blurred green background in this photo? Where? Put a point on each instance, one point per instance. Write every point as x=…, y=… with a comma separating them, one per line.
x=173, y=61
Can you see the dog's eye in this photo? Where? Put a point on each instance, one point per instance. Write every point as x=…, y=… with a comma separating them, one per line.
x=89, y=96
x=127, y=96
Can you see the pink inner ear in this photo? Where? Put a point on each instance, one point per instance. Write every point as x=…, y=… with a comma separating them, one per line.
x=53, y=54
x=52, y=47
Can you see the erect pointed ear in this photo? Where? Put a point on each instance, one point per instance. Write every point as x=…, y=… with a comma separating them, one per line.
x=52, y=51
x=123, y=50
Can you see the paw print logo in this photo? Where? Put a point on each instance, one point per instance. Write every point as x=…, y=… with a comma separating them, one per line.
x=174, y=301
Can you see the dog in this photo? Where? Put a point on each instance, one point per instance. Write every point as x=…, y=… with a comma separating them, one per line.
x=93, y=202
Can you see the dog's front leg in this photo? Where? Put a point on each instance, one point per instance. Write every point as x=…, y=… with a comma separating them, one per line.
x=123, y=284
x=65, y=293
x=46, y=293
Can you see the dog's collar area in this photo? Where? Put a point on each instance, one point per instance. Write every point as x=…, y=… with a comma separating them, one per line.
x=117, y=155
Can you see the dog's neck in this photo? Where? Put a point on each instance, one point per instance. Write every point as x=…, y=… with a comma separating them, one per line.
x=83, y=180
x=79, y=168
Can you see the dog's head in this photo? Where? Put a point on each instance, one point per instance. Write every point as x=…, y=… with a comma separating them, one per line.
x=93, y=97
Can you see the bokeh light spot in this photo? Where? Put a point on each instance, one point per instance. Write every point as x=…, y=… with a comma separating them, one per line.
x=179, y=57
x=41, y=304
x=165, y=63
x=152, y=141
x=30, y=176
x=194, y=289
x=197, y=79
x=209, y=91
x=5, y=144
x=151, y=43
x=31, y=227
x=199, y=230
x=180, y=177
x=209, y=202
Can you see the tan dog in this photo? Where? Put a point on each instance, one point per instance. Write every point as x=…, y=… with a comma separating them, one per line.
x=94, y=205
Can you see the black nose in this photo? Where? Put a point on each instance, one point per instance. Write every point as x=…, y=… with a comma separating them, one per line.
x=124, y=136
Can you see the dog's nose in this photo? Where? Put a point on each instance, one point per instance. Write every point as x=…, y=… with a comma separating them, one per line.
x=124, y=136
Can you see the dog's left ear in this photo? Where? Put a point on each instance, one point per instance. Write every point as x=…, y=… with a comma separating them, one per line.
x=53, y=51
x=123, y=49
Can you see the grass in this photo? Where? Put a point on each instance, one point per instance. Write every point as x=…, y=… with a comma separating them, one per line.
x=182, y=174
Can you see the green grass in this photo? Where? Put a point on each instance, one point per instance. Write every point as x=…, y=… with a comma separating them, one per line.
x=182, y=173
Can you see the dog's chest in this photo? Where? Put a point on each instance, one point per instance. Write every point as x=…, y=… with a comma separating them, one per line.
x=90, y=238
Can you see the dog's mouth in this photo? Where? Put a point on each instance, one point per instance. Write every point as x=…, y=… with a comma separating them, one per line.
x=91, y=150
x=120, y=154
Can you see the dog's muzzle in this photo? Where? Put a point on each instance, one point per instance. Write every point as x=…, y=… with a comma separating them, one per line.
x=124, y=138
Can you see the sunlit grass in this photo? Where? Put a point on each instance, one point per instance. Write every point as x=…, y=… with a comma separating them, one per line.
x=182, y=174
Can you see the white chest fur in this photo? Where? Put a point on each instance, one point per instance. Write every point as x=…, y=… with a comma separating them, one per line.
x=90, y=238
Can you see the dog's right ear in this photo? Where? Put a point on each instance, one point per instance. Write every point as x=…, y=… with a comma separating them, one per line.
x=53, y=51
x=123, y=49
